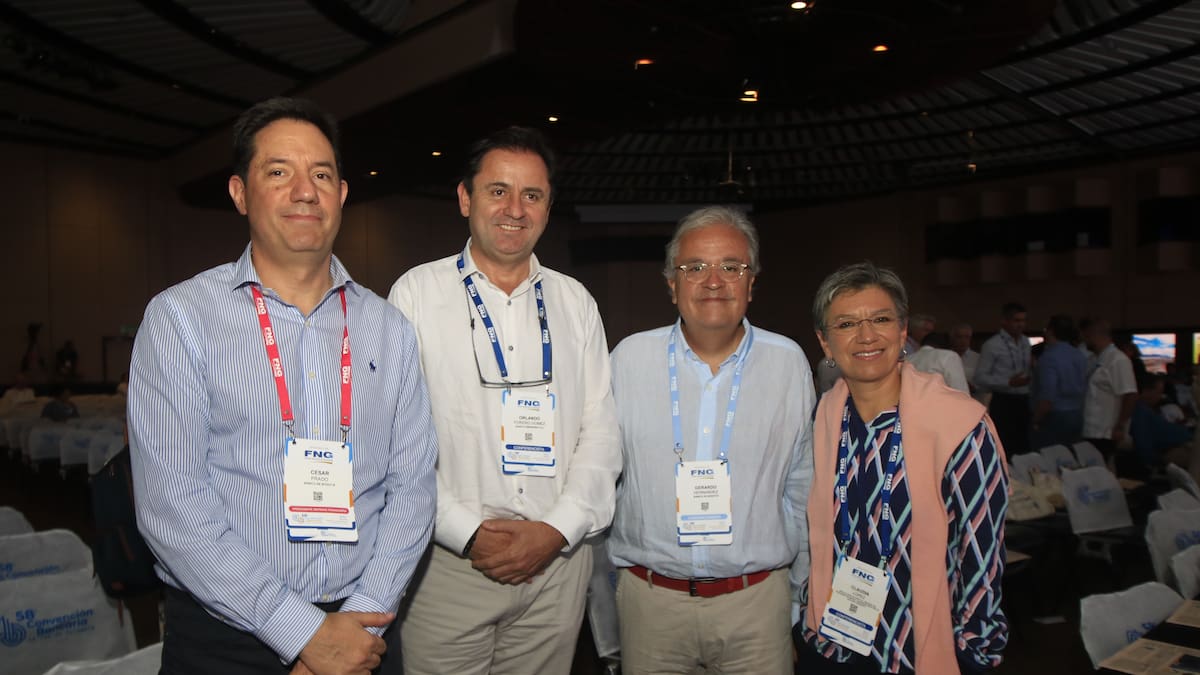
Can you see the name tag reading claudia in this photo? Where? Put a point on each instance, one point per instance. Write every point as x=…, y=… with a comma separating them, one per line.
x=855, y=605
x=318, y=490
x=703, y=513
x=527, y=433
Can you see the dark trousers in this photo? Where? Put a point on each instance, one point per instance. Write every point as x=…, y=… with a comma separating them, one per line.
x=809, y=662
x=195, y=643
x=1010, y=414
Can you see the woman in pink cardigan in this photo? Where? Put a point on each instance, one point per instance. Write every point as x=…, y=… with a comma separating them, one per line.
x=906, y=521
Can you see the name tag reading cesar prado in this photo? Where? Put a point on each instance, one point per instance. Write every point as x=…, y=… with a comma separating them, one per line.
x=318, y=490
x=527, y=433
x=703, y=503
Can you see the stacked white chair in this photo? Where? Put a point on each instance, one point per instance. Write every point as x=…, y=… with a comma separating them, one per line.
x=1180, y=478
x=47, y=619
x=13, y=521
x=1088, y=455
x=103, y=449
x=1185, y=568
x=1060, y=456
x=1178, y=500
x=1110, y=621
x=145, y=661
x=1168, y=533
x=74, y=446
x=40, y=553
x=44, y=440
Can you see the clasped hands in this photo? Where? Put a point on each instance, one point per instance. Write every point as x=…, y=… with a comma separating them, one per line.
x=514, y=551
x=343, y=646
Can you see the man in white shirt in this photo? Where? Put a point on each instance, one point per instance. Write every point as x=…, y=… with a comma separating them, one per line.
x=1004, y=371
x=919, y=325
x=960, y=343
x=1111, y=391
x=932, y=358
x=705, y=535
x=518, y=372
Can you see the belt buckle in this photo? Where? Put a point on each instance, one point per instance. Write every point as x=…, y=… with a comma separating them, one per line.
x=692, y=581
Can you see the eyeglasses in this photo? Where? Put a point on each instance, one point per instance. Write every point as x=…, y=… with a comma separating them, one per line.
x=728, y=271
x=881, y=323
x=489, y=384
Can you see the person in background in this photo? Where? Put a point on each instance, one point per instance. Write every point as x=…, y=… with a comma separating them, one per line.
x=1156, y=441
x=60, y=408
x=919, y=325
x=734, y=403
x=1005, y=372
x=1059, y=386
x=907, y=518
x=933, y=357
x=1111, y=392
x=19, y=393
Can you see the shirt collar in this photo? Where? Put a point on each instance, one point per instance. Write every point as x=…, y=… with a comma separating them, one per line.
x=469, y=266
x=244, y=273
x=741, y=352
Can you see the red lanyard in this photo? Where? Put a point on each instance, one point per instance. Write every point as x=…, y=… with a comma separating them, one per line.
x=285, y=402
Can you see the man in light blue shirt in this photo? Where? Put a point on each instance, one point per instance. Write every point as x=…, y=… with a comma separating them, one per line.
x=704, y=578
x=1004, y=371
x=280, y=431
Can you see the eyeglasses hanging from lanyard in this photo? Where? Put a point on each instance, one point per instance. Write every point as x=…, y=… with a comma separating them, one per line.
x=474, y=297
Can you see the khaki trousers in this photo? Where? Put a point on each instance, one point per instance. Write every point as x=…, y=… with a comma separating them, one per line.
x=669, y=631
x=459, y=621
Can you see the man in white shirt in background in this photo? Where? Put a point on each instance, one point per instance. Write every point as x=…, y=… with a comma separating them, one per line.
x=960, y=343
x=1111, y=391
x=932, y=357
x=517, y=365
x=919, y=325
x=1004, y=371
x=716, y=424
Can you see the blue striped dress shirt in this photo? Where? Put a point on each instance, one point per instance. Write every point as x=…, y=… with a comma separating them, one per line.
x=207, y=439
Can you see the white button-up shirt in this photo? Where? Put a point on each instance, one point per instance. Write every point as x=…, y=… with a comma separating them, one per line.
x=1110, y=380
x=579, y=499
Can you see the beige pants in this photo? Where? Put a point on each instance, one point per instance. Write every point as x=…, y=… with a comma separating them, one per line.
x=462, y=623
x=669, y=631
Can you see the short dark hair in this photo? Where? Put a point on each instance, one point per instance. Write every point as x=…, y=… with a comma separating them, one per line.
x=1011, y=309
x=1063, y=328
x=513, y=139
x=258, y=116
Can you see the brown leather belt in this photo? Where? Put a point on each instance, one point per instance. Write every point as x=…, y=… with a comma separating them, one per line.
x=701, y=587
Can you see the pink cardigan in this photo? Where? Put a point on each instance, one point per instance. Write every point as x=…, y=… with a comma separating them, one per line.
x=936, y=420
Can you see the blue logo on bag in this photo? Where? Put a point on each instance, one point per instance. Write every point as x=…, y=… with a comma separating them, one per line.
x=1187, y=539
x=1087, y=496
x=11, y=633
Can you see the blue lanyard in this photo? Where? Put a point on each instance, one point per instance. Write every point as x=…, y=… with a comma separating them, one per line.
x=885, y=494
x=730, y=410
x=491, y=328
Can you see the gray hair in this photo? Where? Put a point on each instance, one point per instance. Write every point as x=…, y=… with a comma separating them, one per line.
x=857, y=277
x=705, y=217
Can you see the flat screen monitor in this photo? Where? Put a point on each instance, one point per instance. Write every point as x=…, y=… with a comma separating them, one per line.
x=1158, y=349
x=1195, y=349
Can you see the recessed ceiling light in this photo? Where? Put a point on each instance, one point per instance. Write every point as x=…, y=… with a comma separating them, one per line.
x=749, y=96
x=879, y=48
x=372, y=173
x=436, y=153
x=800, y=4
x=642, y=62
x=552, y=118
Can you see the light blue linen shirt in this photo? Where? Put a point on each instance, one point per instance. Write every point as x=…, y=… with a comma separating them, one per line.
x=770, y=454
x=207, y=442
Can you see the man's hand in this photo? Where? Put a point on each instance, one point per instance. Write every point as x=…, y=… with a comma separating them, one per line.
x=342, y=646
x=515, y=551
x=1018, y=380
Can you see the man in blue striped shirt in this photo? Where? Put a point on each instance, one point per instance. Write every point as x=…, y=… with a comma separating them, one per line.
x=237, y=370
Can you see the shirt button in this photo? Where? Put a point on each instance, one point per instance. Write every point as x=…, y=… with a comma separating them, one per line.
x=312, y=375
x=510, y=348
x=706, y=430
x=520, y=491
x=324, y=597
x=316, y=431
x=509, y=303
